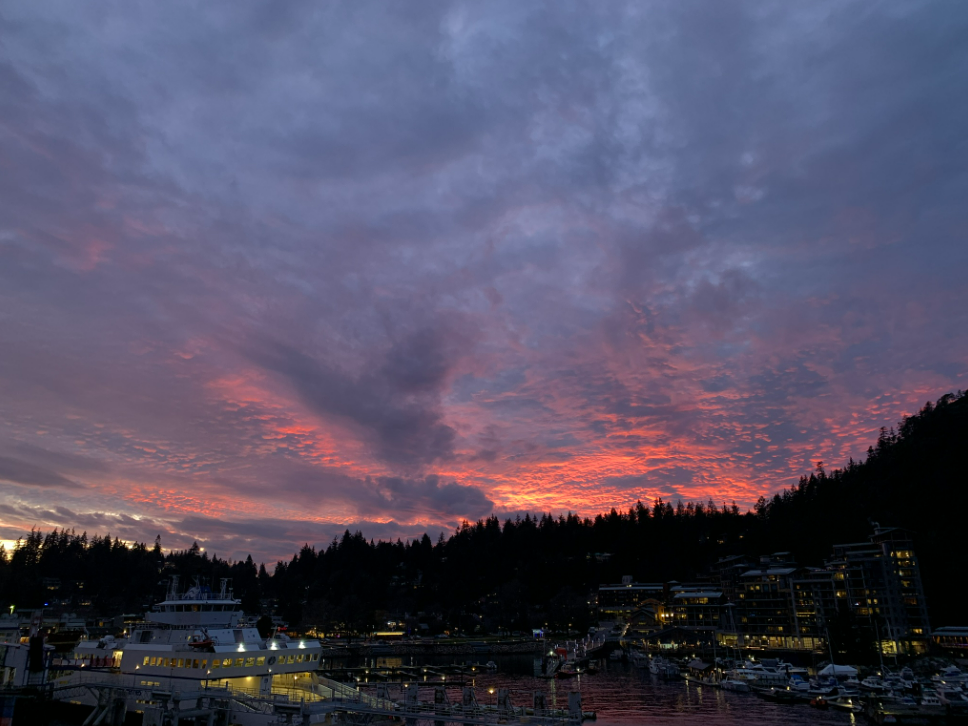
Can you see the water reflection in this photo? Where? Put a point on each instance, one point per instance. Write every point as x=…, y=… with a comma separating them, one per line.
x=619, y=694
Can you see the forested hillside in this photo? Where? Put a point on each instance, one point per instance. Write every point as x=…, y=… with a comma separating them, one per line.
x=538, y=569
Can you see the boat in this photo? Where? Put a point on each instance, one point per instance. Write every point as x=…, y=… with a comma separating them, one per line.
x=491, y=665
x=736, y=686
x=953, y=698
x=639, y=659
x=659, y=666
x=780, y=695
x=194, y=642
x=547, y=666
x=765, y=673
x=874, y=684
x=951, y=675
x=845, y=703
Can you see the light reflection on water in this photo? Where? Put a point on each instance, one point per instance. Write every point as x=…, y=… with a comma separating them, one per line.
x=623, y=694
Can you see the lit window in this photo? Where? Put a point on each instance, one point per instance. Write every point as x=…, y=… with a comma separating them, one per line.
x=260, y=661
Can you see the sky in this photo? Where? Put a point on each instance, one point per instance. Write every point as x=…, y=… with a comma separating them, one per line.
x=269, y=271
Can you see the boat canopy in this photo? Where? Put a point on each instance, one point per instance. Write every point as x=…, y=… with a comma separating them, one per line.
x=838, y=670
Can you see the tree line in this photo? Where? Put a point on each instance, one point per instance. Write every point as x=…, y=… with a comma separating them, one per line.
x=536, y=570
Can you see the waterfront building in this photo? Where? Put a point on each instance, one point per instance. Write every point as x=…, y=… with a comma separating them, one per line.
x=951, y=640
x=816, y=598
x=766, y=603
x=699, y=609
x=882, y=584
x=649, y=617
x=728, y=572
x=781, y=604
x=618, y=602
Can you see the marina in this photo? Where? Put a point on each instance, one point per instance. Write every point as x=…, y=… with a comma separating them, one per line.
x=194, y=659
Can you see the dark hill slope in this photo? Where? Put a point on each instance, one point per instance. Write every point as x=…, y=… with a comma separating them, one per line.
x=915, y=477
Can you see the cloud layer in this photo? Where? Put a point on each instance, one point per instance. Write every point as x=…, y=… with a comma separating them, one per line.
x=271, y=271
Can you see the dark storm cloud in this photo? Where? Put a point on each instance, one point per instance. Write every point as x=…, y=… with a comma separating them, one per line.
x=397, y=406
x=407, y=263
x=448, y=499
x=22, y=472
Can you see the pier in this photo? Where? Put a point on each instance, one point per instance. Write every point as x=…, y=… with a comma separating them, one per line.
x=323, y=701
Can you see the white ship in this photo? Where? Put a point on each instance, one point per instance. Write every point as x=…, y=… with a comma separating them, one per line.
x=194, y=639
x=194, y=645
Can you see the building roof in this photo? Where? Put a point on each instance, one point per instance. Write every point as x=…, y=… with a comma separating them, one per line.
x=770, y=571
x=631, y=586
x=951, y=630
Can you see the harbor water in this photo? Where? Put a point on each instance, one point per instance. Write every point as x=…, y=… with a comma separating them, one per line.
x=619, y=694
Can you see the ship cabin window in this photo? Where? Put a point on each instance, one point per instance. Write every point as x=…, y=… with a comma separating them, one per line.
x=260, y=661
x=146, y=661
x=239, y=662
x=227, y=663
x=216, y=663
x=249, y=662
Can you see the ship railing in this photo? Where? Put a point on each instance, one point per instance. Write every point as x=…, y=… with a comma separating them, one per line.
x=336, y=691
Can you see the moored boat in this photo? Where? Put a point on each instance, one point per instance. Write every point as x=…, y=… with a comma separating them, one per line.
x=194, y=642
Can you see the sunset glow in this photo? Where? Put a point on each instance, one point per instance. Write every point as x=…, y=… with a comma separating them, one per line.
x=261, y=282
